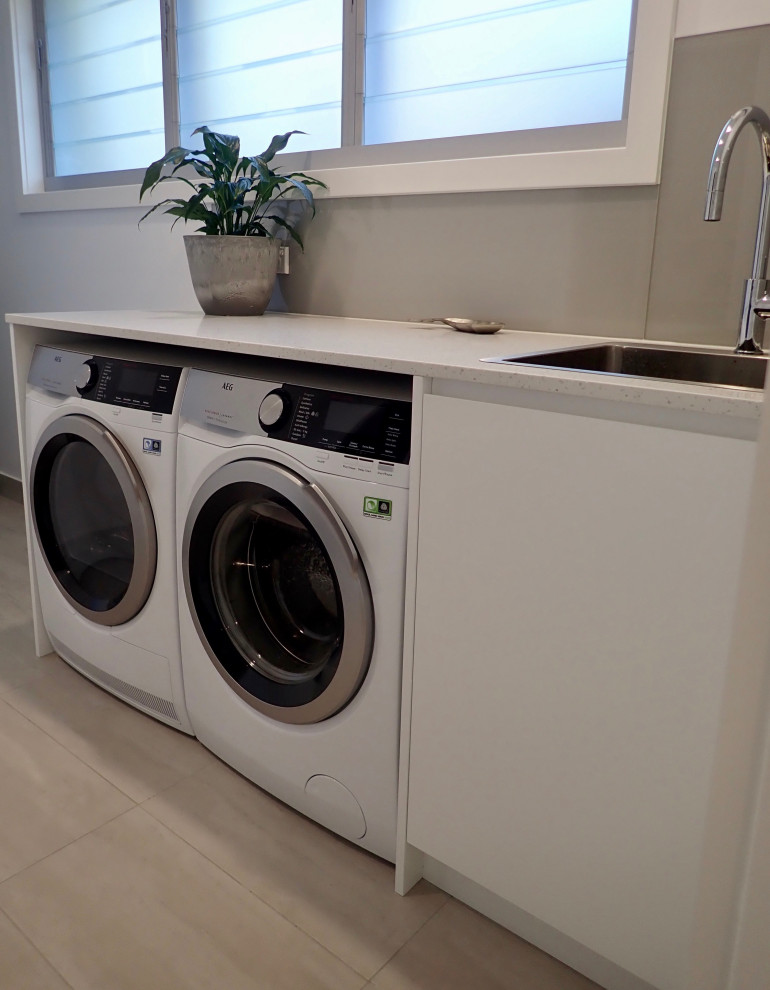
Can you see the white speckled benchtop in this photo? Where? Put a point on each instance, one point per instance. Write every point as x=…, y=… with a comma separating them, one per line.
x=407, y=348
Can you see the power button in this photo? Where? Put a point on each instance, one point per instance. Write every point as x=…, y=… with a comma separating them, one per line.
x=87, y=376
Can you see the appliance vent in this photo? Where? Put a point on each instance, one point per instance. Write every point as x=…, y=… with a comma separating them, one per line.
x=134, y=695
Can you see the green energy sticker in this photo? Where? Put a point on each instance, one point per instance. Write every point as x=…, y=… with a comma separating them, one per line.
x=379, y=508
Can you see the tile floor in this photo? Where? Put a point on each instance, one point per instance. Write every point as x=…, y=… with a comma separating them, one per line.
x=132, y=858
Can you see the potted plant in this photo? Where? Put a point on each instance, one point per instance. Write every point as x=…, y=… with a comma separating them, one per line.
x=239, y=200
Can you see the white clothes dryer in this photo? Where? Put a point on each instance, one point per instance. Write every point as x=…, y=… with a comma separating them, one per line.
x=101, y=441
x=293, y=514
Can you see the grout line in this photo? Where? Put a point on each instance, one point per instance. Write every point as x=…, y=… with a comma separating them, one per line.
x=253, y=893
x=267, y=903
x=414, y=935
x=6, y=697
x=66, y=845
x=35, y=948
x=89, y=684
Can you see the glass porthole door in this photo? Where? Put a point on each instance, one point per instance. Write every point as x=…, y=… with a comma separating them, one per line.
x=277, y=591
x=93, y=520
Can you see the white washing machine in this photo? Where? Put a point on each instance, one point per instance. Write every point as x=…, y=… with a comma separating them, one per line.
x=292, y=508
x=101, y=441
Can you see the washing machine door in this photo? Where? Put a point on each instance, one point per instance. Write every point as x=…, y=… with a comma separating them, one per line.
x=277, y=591
x=93, y=520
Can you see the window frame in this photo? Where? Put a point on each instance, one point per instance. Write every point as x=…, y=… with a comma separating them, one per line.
x=634, y=159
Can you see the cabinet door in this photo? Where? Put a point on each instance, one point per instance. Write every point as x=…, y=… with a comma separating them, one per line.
x=575, y=588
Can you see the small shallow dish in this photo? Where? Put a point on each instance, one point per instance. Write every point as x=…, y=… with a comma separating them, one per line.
x=468, y=326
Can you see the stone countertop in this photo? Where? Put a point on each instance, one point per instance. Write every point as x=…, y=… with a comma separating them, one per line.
x=425, y=350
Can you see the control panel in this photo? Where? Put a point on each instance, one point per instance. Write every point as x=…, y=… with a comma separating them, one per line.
x=114, y=381
x=365, y=426
x=360, y=426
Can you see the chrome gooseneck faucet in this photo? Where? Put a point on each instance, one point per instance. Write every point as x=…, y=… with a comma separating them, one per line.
x=756, y=295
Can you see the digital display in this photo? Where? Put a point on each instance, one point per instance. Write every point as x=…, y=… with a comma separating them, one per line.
x=360, y=426
x=137, y=381
x=350, y=417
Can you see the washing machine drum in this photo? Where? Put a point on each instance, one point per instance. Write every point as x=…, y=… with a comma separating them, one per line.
x=277, y=591
x=93, y=520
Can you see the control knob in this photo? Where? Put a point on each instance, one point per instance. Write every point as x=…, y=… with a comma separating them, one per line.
x=87, y=376
x=274, y=409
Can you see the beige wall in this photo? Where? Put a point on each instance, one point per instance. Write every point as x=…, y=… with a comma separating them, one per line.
x=705, y=16
x=698, y=268
x=622, y=262
x=628, y=262
x=574, y=261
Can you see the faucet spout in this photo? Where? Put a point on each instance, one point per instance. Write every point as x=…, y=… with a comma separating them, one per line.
x=756, y=299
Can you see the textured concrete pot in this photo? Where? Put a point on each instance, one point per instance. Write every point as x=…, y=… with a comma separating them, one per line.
x=232, y=275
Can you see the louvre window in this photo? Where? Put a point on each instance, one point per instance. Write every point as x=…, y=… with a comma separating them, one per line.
x=441, y=68
x=371, y=82
x=105, y=83
x=258, y=69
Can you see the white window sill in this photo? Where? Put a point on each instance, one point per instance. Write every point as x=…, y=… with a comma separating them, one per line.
x=557, y=170
x=101, y=198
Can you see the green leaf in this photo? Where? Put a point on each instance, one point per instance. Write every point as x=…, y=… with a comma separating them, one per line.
x=307, y=179
x=243, y=185
x=302, y=188
x=231, y=143
x=178, y=178
x=278, y=143
x=203, y=168
x=235, y=193
x=287, y=226
x=222, y=149
x=153, y=172
x=244, y=165
x=152, y=210
x=196, y=211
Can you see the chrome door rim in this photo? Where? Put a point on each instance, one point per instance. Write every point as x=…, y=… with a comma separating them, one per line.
x=139, y=508
x=349, y=572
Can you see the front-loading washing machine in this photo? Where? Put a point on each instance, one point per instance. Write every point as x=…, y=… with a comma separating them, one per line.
x=292, y=512
x=101, y=446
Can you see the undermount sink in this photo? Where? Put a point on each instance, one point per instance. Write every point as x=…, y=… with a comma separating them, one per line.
x=638, y=361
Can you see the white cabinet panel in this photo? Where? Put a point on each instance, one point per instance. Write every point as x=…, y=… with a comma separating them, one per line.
x=576, y=581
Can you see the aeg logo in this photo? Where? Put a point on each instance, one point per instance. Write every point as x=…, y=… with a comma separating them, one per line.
x=228, y=386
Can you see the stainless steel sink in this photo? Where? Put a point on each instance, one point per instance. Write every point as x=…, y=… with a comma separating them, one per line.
x=638, y=361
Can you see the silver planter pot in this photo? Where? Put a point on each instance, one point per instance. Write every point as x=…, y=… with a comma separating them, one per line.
x=232, y=275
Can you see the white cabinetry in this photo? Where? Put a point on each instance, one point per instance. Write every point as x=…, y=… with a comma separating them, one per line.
x=576, y=580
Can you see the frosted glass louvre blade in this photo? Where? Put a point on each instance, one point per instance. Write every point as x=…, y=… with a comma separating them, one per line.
x=105, y=83
x=260, y=68
x=444, y=68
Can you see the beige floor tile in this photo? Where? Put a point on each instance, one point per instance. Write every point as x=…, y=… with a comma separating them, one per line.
x=14, y=569
x=17, y=646
x=336, y=892
x=135, y=752
x=14, y=583
x=11, y=510
x=459, y=949
x=133, y=907
x=48, y=797
x=11, y=520
x=21, y=965
x=15, y=597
